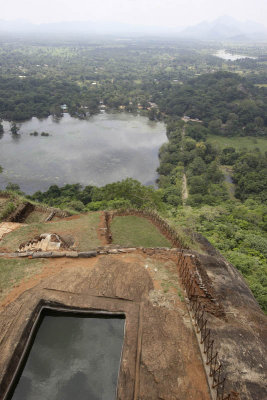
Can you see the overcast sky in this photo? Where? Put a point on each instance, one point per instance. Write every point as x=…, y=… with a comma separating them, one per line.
x=172, y=13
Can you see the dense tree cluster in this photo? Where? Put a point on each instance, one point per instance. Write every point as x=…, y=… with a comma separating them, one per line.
x=23, y=98
x=188, y=152
x=238, y=230
x=228, y=104
x=250, y=176
x=249, y=173
x=127, y=193
x=37, y=80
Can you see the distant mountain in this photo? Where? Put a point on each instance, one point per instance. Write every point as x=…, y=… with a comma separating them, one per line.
x=83, y=28
x=15, y=26
x=223, y=28
x=226, y=28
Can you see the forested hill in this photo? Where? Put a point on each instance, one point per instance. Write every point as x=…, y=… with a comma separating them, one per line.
x=226, y=100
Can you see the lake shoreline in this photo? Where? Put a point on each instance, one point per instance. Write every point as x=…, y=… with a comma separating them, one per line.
x=104, y=148
x=229, y=56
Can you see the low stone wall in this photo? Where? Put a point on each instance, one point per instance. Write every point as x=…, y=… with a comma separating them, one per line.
x=198, y=285
x=154, y=217
x=202, y=303
x=54, y=212
x=92, y=253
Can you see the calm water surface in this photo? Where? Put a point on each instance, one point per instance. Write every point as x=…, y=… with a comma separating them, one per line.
x=73, y=358
x=231, y=57
x=103, y=149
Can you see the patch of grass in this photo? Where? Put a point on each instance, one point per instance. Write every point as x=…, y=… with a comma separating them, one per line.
x=185, y=237
x=228, y=171
x=36, y=217
x=166, y=286
x=83, y=230
x=13, y=271
x=8, y=209
x=3, y=202
x=238, y=142
x=9, y=204
x=180, y=295
x=136, y=232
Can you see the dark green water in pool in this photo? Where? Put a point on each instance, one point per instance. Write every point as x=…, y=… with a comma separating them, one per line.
x=73, y=358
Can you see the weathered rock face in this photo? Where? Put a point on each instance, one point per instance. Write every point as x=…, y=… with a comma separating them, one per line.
x=161, y=358
x=241, y=337
x=43, y=242
x=7, y=227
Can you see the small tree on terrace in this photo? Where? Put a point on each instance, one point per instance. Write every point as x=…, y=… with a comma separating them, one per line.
x=14, y=128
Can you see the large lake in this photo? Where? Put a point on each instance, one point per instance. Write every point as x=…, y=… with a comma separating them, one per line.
x=102, y=149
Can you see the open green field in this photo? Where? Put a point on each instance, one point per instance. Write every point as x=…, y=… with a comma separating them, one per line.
x=82, y=229
x=13, y=271
x=239, y=143
x=261, y=84
x=131, y=231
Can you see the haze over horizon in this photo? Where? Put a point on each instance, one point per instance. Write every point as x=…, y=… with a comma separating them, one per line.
x=150, y=13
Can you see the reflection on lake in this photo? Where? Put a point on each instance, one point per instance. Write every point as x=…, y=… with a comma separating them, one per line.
x=73, y=357
x=231, y=57
x=103, y=149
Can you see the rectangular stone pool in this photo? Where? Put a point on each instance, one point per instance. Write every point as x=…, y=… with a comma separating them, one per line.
x=73, y=356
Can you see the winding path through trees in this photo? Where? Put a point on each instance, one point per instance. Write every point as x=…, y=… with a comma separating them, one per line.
x=184, y=182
